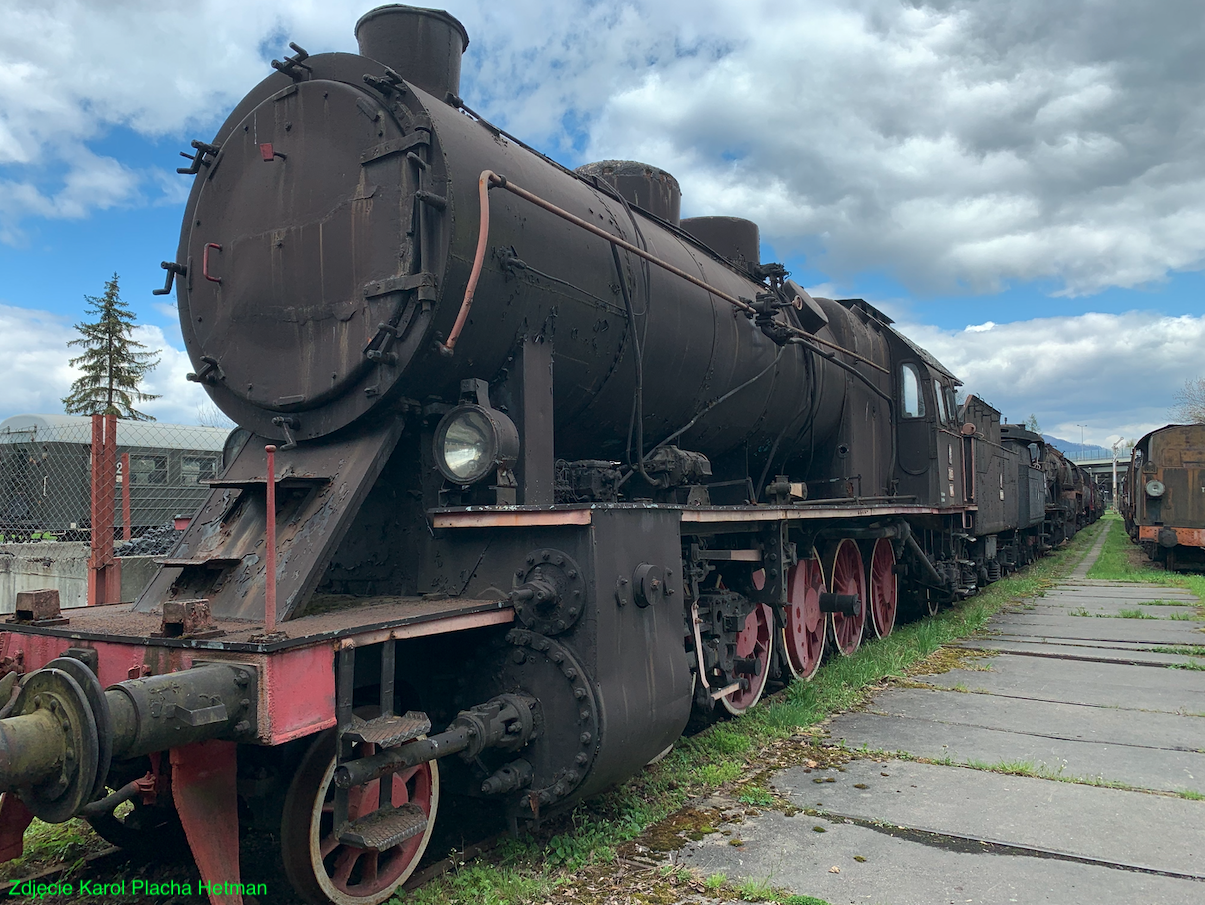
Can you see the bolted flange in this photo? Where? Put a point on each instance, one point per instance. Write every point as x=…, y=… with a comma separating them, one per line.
x=549, y=592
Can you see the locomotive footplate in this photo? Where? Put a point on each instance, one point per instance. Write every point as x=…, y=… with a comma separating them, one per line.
x=346, y=620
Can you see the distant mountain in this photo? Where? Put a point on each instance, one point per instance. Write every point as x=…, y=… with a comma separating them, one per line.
x=1073, y=450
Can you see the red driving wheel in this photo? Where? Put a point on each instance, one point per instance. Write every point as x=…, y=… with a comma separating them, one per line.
x=755, y=641
x=804, y=634
x=325, y=870
x=847, y=575
x=883, y=586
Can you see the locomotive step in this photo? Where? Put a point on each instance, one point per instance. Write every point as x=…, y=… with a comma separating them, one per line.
x=211, y=562
x=382, y=830
x=284, y=481
x=388, y=731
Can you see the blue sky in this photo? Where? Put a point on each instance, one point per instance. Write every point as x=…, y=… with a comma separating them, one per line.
x=1035, y=171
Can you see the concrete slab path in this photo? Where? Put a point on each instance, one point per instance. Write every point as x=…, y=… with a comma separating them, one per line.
x=1095, y=726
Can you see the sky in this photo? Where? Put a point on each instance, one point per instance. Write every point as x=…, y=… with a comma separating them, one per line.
x=1020, y=184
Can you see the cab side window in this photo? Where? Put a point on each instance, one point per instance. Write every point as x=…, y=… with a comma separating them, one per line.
x=938, y=394
x=914, y=400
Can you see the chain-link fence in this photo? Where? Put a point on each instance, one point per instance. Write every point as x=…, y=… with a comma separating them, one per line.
x=160, y=474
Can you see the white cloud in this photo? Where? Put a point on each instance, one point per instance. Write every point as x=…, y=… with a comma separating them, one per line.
x=37, y=375
x=1114, y=373
x=955, y=144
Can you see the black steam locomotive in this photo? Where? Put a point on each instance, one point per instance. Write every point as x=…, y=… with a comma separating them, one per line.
x=552, y=470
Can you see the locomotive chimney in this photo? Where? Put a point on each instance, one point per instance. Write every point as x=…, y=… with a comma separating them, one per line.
x=649, y=188
x=423, y=46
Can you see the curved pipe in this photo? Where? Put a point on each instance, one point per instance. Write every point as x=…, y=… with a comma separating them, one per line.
x=484, y=184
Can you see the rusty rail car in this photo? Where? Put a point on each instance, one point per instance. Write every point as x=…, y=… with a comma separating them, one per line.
x=537, y=470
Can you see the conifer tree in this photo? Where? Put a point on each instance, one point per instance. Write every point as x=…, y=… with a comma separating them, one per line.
x=113, y=362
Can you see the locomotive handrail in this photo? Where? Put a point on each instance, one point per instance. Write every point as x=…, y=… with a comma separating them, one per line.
x=489, y=179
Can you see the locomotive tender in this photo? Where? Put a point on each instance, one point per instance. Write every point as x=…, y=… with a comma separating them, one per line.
x=537, y=470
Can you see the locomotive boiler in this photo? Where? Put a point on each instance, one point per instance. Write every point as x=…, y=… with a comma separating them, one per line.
x=534, y=470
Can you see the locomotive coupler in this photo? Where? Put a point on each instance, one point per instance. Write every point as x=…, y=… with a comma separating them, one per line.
x=507, y=722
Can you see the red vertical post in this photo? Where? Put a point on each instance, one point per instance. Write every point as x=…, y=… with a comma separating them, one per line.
x=270, y=580
x=125, y=497
x=112, y=565
x=96, y=504
x=104, y=571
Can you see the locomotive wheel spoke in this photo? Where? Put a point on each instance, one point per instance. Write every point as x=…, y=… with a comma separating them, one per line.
x=755, y=641
x=327, y=871
x=883, y=587
x=847, y=575
x=804, y=632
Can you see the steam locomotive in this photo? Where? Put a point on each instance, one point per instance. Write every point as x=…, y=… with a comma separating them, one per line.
x=1164, y=501
x=537, y=470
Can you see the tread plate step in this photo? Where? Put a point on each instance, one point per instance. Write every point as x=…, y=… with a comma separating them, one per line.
x=382, y=830
x=388, y=731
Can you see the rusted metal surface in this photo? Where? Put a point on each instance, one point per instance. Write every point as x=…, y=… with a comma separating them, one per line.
x=204, y=786
x=515, y=518
x=187, y=619
x=270, y=543
x=509, y=518
x=104, y=569
x=14, y=818
x=347, y=617
x=221, y=556
x=1164, y=502
x=297, y=694
x=37, y=606
x=1187, y=537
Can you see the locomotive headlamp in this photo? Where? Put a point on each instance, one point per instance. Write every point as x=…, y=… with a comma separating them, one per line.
x=1155, y=489
x=471, y=441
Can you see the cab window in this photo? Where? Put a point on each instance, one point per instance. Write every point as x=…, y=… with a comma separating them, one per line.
x=941, y=404
x=914, y=400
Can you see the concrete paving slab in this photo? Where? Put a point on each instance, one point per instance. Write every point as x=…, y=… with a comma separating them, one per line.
x=1098, y=610
x=1137, y=829
x=1112, y=606
x=1152, y=631
x=1079, y=682
x=1121, y=592
x=1046, y=648
x=916, y=869
x=1083, y=642
x=1074, y=722
x=1142, y=767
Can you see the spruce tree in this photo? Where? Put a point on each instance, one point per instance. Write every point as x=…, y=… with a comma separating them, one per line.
x=112, y=361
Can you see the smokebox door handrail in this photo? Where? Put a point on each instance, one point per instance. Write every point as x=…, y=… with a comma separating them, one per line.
x=489, y=179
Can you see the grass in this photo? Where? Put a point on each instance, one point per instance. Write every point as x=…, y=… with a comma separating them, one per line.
x=1134, y=614
x=536, y=867
x=47, y=844
x=1186, y=650
x=1121, y=560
